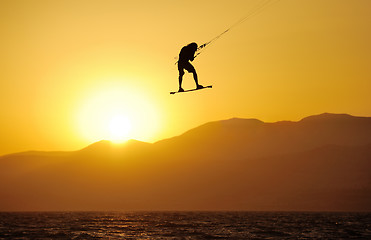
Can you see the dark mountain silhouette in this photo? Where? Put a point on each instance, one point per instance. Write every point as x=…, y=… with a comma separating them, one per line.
x=321, y=163
x=256, y=139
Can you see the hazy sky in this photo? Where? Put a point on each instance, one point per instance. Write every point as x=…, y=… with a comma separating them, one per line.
x=75, y=72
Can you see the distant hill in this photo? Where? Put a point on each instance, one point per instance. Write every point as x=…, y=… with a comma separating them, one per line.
x=254, y=138
x=321, y=163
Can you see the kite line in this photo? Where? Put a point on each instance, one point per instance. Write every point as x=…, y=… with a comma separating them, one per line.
x=257, y=9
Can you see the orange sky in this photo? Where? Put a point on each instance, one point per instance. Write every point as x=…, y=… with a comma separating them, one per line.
x=71, y=69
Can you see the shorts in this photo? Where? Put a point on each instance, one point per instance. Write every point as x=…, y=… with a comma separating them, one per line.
x=185, y=65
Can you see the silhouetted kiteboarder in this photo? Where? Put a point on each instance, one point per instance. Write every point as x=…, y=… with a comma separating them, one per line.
x=187, y=54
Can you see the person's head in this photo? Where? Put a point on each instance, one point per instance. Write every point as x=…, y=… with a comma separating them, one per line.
x=193, y=45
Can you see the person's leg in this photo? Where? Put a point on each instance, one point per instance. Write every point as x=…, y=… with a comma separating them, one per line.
x=180, y=80
x=181, y=73
x=195, y=77
x=189, y=67
x=198, y=86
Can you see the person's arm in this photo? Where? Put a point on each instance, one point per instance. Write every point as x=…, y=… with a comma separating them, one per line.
x=192, y=56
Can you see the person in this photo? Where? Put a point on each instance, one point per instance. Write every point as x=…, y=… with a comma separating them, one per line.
x=187, y=54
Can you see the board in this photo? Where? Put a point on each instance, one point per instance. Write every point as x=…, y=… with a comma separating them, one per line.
x=195, y=89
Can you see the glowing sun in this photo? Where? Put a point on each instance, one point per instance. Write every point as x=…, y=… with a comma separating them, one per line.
x=117, y=113
x=119, y=127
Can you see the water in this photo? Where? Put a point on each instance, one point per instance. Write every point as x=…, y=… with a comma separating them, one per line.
x=184, y=225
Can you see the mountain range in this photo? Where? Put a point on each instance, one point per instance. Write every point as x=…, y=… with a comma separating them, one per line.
x=320, y=163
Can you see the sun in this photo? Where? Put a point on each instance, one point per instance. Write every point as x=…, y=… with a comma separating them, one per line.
x=117, y=112
x=119, y=128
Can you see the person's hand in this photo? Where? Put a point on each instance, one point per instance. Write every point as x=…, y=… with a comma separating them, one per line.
x=203, y=45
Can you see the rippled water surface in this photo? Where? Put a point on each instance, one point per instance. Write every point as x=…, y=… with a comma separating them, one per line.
x=184, y=225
